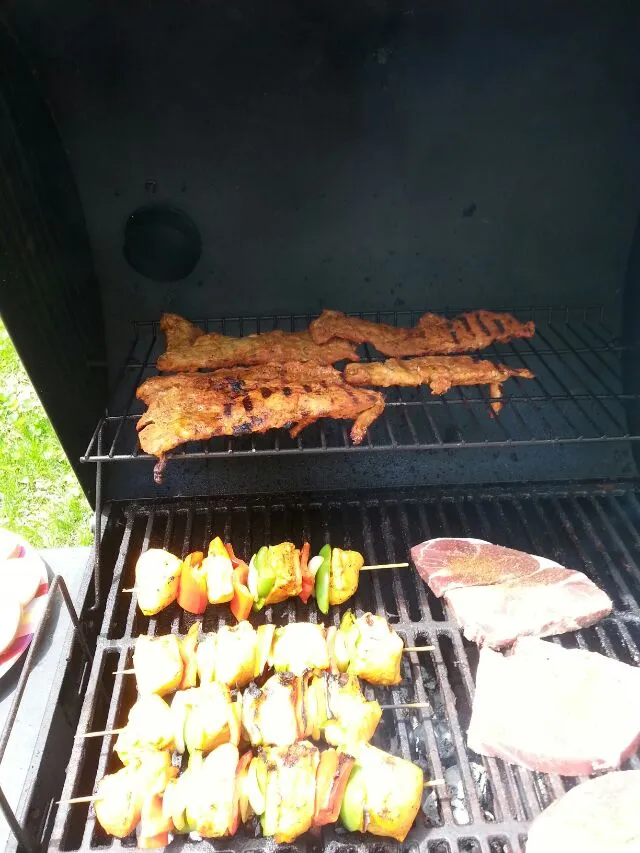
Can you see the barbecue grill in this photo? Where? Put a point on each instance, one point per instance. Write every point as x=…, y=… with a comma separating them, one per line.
x=246, y=166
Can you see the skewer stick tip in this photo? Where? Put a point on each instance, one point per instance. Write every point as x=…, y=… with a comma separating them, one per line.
x=99, y=734
x=73, y=800
x=434, y=783
x=384, y=566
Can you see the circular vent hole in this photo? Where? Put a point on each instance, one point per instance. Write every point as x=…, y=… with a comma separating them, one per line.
x=162, y=243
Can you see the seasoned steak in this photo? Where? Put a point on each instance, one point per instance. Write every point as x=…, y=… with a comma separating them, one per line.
x=601, y=814
x=555, y=710
x=498, y=594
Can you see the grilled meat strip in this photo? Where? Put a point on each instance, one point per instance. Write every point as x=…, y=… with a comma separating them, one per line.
x=432, y=335
x=193, y=407
x=473, y=330
x=440, y=373
x=190, y=349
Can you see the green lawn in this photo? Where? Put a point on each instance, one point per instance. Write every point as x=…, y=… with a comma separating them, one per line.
x=39, y=494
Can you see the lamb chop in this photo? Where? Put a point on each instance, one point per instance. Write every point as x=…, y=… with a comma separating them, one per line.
x=440, y=373
x=555, y=710
x=601, y=814
x=189, y=348
x=189, y=407
x=433, y=334
x=498, y=594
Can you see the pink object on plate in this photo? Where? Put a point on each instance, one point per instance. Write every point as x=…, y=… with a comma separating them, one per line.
x=13, y=550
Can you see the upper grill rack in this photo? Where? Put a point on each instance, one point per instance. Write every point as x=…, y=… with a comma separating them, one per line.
x=576, y=397
x=489, y=804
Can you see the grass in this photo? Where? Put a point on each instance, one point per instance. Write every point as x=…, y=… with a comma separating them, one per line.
x=40, y=497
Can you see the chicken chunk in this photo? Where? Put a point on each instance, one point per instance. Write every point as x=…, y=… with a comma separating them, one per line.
x=157, y=580
x=345, y=574
x=157, y=663
x=299, y=647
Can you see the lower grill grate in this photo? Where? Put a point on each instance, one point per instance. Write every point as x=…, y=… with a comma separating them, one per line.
x=488, y=804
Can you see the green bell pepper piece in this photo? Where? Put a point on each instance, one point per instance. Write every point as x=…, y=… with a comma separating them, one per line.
x=266, y=573
x=352, y=806
x=270, y=818
x=323, y=576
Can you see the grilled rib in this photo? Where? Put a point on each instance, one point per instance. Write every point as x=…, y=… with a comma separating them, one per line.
x=433, y=334
x=440, y=373
x=193, y=407
x=190, y=349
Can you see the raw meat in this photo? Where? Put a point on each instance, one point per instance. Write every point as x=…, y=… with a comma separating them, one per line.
x=601, y=814
x=555, y=710
x=498, y=594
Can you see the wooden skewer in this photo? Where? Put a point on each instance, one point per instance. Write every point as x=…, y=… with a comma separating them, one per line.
x=363, y=569
x=384, y=708
x=432, y=783
x=100, y=734
x=73, y=800
x=406, y=649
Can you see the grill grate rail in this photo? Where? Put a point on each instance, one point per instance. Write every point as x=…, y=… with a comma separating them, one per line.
x=576, y=397
x=487, y=805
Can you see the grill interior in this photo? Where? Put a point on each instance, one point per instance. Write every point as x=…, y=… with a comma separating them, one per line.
x=576, y=397
x=487, y=805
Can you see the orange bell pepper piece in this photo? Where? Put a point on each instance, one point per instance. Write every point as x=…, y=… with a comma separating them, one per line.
x=188, y=655
x=192, y=592
x=308, y=581
x=154, y=826
x=242, y=600
x=332, y=776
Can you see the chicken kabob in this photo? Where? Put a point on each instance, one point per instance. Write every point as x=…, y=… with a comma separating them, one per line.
x=283, y=713
x=366, y=647
x=288, y=789
x=274, y=573
x=285, y=709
